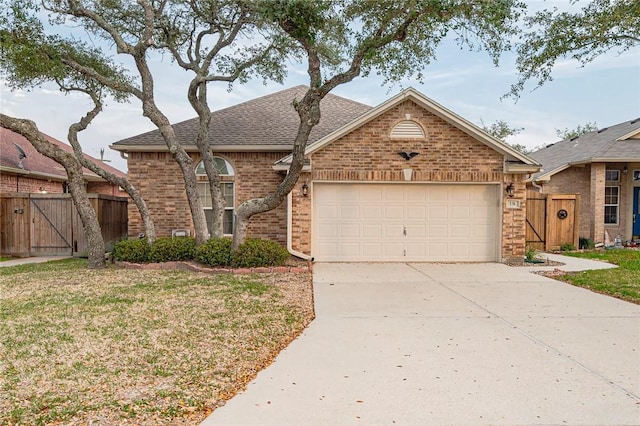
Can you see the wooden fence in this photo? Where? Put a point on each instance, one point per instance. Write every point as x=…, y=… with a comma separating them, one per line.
x=552, y=220
x=48, y=224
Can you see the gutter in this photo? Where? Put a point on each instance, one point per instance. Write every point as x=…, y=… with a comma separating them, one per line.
x=289, y=225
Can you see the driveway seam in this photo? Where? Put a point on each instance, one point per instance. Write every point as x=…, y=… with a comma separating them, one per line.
x=534, y=339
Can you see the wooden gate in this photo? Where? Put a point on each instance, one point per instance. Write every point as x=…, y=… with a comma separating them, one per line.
x=552, y=220
x=49, y=225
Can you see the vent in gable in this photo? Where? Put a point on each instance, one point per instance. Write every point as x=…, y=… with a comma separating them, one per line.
x=407, y=130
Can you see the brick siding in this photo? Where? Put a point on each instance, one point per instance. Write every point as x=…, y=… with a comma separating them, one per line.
x=578, y=180
x=19, y=183
x=160, y=180
x=445, y=155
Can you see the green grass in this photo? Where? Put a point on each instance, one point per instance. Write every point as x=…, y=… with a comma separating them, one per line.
x=145, y=347
x=622, y=282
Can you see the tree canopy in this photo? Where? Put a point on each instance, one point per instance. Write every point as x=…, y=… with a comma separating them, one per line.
x=597, y=28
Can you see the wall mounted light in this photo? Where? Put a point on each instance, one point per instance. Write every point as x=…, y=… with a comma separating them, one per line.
x=510, y=190
x=305, y=189
x=625, y=170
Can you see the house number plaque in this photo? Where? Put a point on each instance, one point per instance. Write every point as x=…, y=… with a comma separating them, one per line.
x=562, y=214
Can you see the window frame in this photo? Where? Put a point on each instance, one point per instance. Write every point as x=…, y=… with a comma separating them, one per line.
x=228, y=179
x=617, y=173
x=615, y=205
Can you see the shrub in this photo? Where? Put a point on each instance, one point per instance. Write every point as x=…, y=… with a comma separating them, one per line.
x=586, y=243
x=256, y=252
x=567, y=247
x=530, y=253
x=136, y=251
x=215, y=252
x=167, y=249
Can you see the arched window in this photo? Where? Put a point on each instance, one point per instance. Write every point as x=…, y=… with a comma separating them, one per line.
x=407, y=129
x=226, y=172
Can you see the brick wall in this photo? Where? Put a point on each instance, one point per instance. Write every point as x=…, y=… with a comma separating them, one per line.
x=577, y=180
x=105, y=188
x=19, y=183
x=160, y=180
x=446, y=154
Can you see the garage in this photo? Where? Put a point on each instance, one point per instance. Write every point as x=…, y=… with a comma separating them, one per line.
x=405, y=222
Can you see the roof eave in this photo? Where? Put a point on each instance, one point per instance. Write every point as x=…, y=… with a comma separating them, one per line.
x=520, y=168
x=194, y=148
x=33, y=174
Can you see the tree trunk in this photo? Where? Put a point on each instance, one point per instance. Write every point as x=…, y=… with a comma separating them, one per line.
x=124, y=183
x=88, y=215
x=309, y=112
x=197, y=95
x=185, y=162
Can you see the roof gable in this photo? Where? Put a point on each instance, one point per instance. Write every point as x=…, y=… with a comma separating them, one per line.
x=617, y=143
x=450, y=117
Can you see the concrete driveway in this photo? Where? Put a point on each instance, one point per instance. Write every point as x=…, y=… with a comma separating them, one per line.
x=433, y=344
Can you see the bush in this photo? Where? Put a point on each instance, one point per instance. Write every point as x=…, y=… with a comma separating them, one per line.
x=167, y=249
x=215, y=252
x=136, y=251
x=255, y=252
x=586, y=244
x=567, y=247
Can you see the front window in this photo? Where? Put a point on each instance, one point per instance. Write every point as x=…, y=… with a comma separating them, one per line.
x=612, y=175
x=227, y=186
x=611, y=204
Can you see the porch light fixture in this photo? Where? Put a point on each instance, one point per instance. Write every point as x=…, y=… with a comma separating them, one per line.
x=510, y=190
x=625, y=170
x=305, y=189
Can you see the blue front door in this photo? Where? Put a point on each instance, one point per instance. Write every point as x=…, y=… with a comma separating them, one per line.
x=636, y=213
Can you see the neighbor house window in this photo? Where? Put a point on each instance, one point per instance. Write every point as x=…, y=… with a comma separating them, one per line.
x=227, y=186
x=612, y=175
x=611, y=204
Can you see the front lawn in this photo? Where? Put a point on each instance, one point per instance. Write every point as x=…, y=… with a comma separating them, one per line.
x=622, y=282
x=144, y=347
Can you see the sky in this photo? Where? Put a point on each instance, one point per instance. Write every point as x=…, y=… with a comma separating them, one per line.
x=605, y=92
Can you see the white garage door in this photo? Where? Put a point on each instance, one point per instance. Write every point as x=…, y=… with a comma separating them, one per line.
x=405, y=222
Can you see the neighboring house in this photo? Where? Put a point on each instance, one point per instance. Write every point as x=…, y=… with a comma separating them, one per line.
x=35, y=173
x=604, y=168
x=459, y=195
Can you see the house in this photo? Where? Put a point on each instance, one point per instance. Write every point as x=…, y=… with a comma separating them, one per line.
x=604, y=168
x=23, y=169
x=408, y=180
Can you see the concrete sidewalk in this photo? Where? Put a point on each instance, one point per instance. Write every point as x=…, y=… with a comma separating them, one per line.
x=472, y=344
x=28, y=260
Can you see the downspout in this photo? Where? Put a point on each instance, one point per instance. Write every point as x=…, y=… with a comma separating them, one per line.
x=535, y=185
x=289, y=226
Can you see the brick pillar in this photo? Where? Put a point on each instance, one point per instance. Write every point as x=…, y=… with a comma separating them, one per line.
x=596, y=206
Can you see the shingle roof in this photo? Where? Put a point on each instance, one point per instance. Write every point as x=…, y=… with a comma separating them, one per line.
x=37, y=163
x=268, y=120
x=602, y=146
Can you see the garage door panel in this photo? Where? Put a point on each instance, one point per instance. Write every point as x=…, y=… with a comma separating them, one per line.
x=460, y=212
x=393, y=212
x=438, y=212
x=438, y=231
x=393, y=230
x=416, y=213
x=350, y=231
x=405, y=222
x=328, y=212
